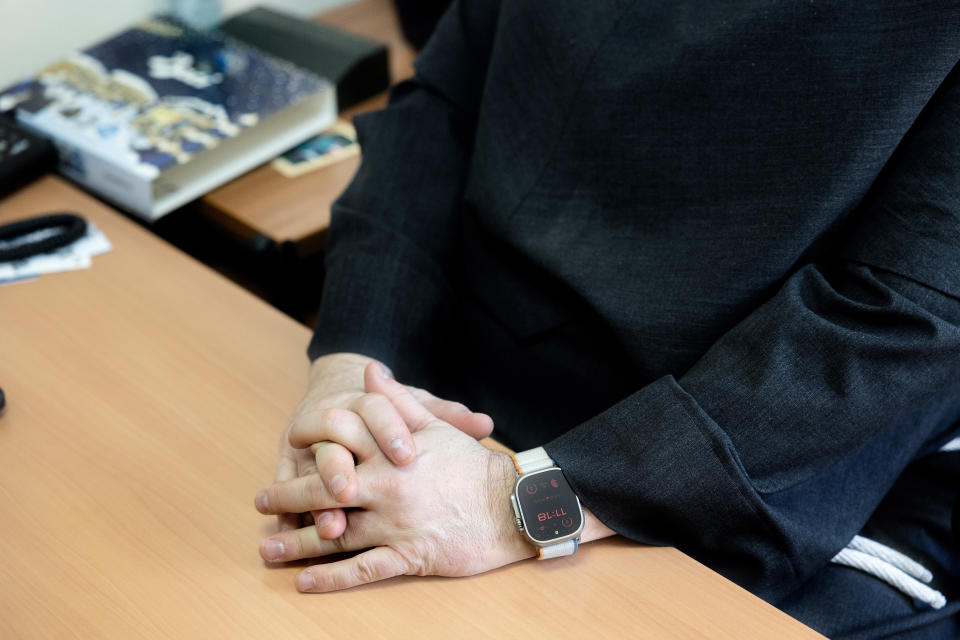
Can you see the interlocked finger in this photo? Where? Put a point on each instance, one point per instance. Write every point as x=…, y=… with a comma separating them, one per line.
x=404, y=404
x=386, y=426
x=299, y=495
x=335, y=464
x=343, y=426
x=303, y=543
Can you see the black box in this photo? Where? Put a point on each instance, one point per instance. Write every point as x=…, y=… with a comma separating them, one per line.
x=359, y=67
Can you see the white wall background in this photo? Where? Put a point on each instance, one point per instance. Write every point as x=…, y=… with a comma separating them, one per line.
x=34, y=33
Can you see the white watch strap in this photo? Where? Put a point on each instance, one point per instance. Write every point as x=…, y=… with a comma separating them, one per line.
x=534, y=460
x=537, y=460
x=566, y=548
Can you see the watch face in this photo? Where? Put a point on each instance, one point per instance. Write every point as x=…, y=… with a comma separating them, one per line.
x=549, y=507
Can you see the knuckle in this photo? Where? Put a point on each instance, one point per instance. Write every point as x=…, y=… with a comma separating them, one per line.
x=407, y=521
x=312, y=492
x=298, y=548
x=341, y=544
x=410, y=562
x=274, y=498
x=394, y=488
x=366, y=569
x=306, y=468
x=370, y=402
x=315, y=414
x=335, y=419
x=336, y=425
x=299, y=430
x=328, y=417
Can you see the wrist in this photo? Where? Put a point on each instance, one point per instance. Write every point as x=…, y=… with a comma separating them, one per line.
x=509, y=542
x=593, y=529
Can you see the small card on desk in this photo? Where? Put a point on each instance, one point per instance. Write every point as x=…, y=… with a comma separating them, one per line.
x=333, y=145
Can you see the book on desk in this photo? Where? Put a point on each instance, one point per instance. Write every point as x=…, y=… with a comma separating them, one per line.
x=160, y=114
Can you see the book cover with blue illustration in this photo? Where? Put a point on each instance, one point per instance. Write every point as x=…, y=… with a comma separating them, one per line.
x=160, y=114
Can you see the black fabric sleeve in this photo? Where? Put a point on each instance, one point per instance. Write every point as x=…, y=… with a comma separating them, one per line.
x=390, y=286
x=771, y=452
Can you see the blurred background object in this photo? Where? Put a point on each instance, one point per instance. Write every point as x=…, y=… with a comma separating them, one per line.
x=38, y=32
x=358, y=66
x=199, y=14
x=418, y=18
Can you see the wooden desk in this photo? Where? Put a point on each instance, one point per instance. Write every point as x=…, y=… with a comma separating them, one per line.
x=295, y=212
x=145, y=398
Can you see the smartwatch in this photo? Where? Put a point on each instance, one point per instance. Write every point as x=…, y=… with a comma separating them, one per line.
x=547, y=509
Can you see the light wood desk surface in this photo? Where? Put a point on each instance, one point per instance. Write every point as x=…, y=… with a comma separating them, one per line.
x=145, y=398
x=297, y=210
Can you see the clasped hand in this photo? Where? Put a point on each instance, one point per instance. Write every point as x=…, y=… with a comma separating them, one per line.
x=422, y=497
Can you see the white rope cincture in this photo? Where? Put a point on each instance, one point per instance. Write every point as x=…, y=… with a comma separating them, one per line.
x=891, y=556
x=953, y=445
x=894, y=568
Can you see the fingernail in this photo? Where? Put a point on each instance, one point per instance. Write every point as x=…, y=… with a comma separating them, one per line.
x=325, y=518
x=400, y=449
x=385, y=371
x=272, y=549
x=261, y=502
x=306, y=581
x=337, y=484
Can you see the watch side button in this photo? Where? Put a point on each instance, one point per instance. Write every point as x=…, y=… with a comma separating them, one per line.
x=516, y=512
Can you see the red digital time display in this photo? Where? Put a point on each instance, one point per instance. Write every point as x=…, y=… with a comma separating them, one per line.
x=548, y=505
x=543, y=516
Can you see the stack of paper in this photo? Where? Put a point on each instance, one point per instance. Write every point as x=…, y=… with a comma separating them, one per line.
x=74, y=256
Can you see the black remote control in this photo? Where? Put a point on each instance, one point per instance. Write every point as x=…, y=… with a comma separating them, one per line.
x=23, y=155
